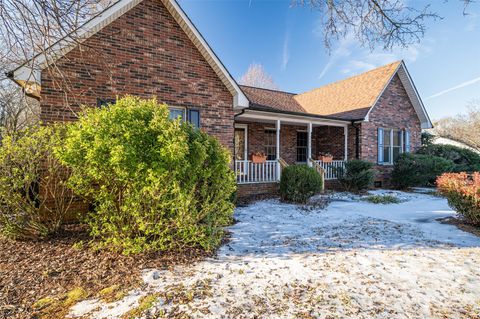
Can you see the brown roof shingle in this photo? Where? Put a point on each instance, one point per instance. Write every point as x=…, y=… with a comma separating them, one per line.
x=271, y=99
x=348, y=99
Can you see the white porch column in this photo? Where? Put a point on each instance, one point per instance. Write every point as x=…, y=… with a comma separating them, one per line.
x=277, y=148
x=309, y=149
x=345, y=132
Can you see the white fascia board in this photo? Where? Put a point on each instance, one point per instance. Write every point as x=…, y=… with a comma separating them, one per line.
x=240, y=101
x=412, y=92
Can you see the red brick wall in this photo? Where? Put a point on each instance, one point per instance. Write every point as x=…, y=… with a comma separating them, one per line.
x=393, y=110
x=251, y=191
x=288, y=139
x=143, y=53
x=330, y=139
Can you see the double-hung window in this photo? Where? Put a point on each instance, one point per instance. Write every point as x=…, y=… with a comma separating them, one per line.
x=271, y=144
x=392, y=143
x=190, y=115
x=302, y=145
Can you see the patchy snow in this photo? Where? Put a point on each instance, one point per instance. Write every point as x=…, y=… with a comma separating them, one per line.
x=353, y=259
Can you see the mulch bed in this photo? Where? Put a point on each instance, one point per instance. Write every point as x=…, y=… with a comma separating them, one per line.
x=461, y=224
x=33, y=270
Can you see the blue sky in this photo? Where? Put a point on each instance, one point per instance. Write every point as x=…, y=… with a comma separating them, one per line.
x=287, y=41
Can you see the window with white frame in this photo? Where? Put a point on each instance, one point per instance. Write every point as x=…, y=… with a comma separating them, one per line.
x=271, y=144
x=392, y=143
x=302, y=146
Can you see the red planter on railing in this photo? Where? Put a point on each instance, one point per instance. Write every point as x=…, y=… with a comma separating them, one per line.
x=325, y=158
x=258, y=158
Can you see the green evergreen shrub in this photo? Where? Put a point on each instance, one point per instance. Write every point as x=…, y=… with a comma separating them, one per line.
x=299, y=182
x=156, y=184
x=356, y=176
x=464, y=160
x=34, y=197
x=427, y=139
x=418, y=170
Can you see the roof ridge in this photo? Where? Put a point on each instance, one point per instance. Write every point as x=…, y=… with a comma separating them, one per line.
x=265, y=89
x=351, y=77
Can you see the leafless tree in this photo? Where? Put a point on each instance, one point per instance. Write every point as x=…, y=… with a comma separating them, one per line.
x=387, y=23
x=257, y=76
x=29, y=28
x=464, y=128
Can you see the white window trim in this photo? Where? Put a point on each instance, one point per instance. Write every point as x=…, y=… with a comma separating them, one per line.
x=402, y=146
x=273, y=129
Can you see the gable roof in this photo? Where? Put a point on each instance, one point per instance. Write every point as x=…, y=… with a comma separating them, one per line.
x=351, y=99
x=28, y=75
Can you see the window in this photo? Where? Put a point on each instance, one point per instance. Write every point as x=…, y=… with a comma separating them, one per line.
x=392, y=143
x=271, y=144
x=397, y=148
x=194, y=118
x=386, y=146
x=104, y=102
x=190, y=115
x=176, y=112
x=302, y=145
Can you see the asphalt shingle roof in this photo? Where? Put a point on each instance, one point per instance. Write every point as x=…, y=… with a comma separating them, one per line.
x=348, y=99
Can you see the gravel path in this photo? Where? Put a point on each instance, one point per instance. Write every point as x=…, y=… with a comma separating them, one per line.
x=351, y=260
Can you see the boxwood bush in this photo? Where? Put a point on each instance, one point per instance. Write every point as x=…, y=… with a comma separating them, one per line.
x=299, y=182
x=156, y=184
x=418, y=170
x=356, y=176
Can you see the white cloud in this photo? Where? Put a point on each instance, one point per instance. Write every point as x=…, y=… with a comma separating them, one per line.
x=286, y=51
x=472, y=21
x=342, y=51
x=453, y=88
x=351, y=57
x=363, y=59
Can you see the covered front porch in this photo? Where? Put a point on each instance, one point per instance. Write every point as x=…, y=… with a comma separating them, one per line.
x=266, y=142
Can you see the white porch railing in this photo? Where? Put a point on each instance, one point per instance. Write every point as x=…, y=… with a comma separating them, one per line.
x=331, y=169
x=249, y=173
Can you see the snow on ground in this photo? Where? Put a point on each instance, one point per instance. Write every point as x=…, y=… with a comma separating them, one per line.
x=353, y=259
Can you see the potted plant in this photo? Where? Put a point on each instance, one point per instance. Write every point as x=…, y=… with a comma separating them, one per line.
x=259, y=158
x=325, y=157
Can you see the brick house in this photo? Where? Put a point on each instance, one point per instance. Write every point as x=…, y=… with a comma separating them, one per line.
x=150, y=48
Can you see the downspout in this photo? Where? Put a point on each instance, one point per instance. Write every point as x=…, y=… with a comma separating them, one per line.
x=357, y=139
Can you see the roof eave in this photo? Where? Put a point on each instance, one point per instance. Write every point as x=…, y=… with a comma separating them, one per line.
x=257, y=107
